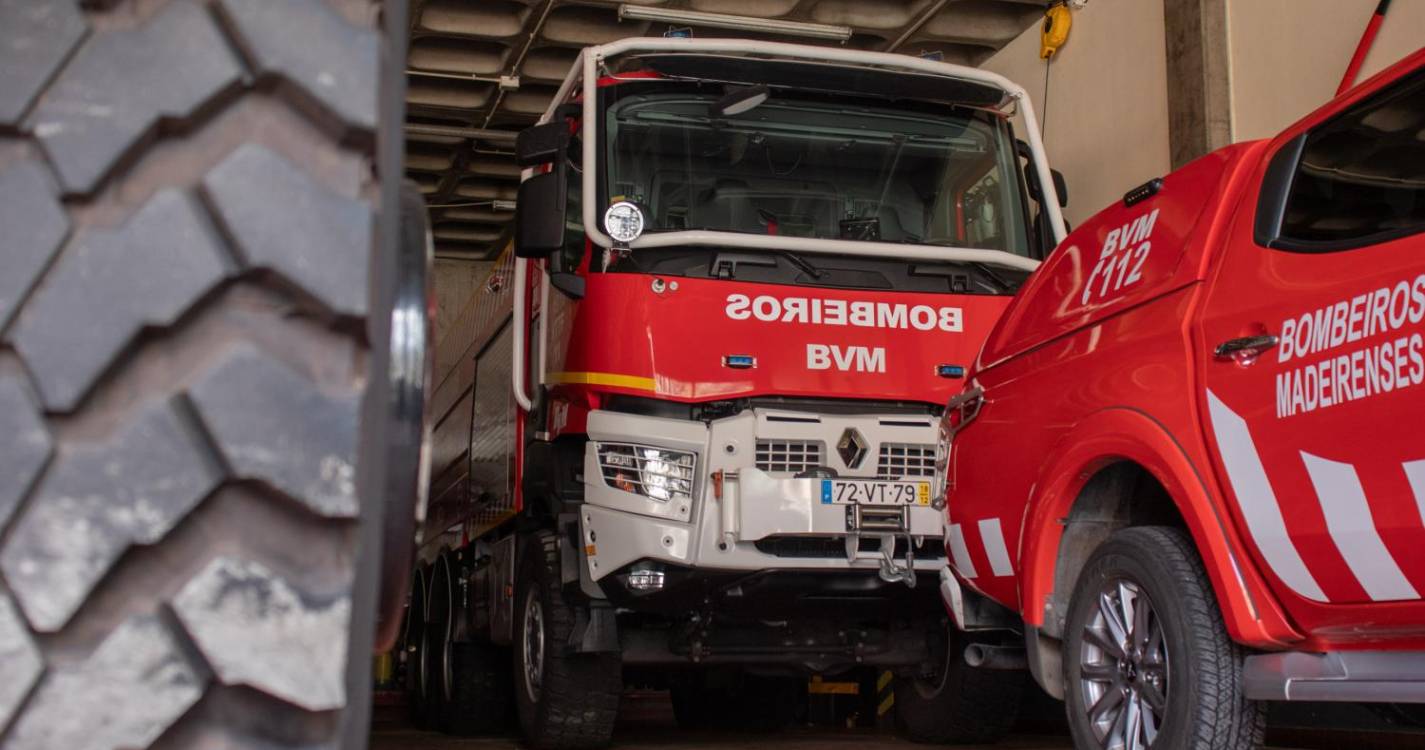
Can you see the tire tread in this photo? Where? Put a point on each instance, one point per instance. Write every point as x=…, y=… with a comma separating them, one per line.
x=1225, y=719
x=581, y=691
x=105, y=313
x=982, y=707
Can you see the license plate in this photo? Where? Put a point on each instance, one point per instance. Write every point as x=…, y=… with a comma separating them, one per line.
x=873, y=492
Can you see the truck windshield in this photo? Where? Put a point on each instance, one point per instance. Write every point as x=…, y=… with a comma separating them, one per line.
x=816, y=168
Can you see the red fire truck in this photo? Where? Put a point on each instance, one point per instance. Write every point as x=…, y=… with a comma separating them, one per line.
x=1189, y=466
x=745, y=279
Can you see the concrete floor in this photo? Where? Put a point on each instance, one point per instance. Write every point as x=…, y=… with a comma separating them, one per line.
x=669, y=738
x=646, y=723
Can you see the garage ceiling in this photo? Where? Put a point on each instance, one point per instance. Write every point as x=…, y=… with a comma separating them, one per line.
x=481, y=70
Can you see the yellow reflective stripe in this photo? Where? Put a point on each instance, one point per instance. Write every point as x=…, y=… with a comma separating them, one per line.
x=833, y=688
x=886, y=705
x=884, y=681
x=603, y=378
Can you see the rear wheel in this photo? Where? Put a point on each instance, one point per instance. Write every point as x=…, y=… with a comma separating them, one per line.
x=957, y=703
x=413, y=643
x=436, y=673
x=565, y=699
x=194, y=365
x=480, y=690
x=1147, y=658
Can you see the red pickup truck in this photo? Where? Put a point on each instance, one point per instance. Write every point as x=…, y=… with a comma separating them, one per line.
x=1189, y=464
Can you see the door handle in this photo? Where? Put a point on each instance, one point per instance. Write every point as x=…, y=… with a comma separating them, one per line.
x=1246, y=349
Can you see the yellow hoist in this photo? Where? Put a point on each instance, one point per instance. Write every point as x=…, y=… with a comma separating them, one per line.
x=1055, y=30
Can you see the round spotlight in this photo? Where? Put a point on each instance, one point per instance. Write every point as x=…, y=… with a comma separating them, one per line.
x=623, y=221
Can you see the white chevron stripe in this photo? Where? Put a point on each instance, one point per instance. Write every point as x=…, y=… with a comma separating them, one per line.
x=1348, y=519
x=1415, y=472
x=1257, y=500
x=993, y=537
x=959, y=553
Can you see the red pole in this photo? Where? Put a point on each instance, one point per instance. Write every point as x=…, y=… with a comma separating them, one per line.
x=1362, y=49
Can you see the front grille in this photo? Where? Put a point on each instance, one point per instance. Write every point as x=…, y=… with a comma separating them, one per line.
x=792, y=456
x=905, y=460
x=835, y=546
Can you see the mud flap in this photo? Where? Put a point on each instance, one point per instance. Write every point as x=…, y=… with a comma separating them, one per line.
x=595, y=629
x=1046, y=661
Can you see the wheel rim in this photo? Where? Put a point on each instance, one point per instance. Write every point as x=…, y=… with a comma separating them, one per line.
x=447, y=672
x=533, y=646
x=1123, y=668
x=423, y=664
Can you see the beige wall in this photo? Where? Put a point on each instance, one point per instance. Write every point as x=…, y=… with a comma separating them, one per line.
x=1107, y=120
x=1288, y=56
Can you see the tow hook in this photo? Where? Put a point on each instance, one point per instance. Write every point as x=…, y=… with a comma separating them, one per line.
x=891, y=570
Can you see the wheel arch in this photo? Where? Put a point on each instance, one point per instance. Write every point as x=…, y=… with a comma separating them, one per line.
x=1120, y=468
x=551, y=482
x=1119, y=494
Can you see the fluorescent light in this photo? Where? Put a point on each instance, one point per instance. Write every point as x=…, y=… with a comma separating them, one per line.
x=740, y=23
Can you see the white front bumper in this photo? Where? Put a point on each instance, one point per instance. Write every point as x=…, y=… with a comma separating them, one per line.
x=622, y=527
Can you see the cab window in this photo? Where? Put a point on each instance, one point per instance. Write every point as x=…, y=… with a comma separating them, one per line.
x=1360, y=177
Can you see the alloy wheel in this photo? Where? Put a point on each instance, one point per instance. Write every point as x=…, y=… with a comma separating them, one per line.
x=533, y=646
x=1123, y=667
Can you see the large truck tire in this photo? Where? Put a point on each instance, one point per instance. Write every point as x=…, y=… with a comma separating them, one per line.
x=467, y=683
x=437, y=676
x=480, y=701
x=958, y=704
x=194, y=336
x=565, y=700
x=413, y=641
x=1147, y=654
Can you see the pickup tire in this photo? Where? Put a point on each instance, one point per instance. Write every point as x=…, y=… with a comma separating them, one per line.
x=960, y=704
x=565, y=700
x=192, y=368
x=1173, y=673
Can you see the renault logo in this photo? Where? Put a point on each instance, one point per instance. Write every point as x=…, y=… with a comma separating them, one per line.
x=851, y=447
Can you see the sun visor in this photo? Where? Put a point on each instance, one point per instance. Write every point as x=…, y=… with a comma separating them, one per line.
x=821, y=76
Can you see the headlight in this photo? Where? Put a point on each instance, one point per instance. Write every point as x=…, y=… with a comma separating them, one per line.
x=658, y=473
x=623, y=221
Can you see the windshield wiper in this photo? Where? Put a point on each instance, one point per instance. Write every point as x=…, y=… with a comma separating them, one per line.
x=801, y=263
x=769, y=219
x=985, y=270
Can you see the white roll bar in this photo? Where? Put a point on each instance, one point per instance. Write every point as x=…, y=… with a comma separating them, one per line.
x=517, y=366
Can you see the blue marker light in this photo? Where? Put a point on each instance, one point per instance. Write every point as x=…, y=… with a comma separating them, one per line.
x=950, y=371
x=739, y=361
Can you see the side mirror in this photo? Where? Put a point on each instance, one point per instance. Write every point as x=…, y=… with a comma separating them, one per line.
x=1031, y=180
x=539, y=215
x=1061, y=187
x=542, y=144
